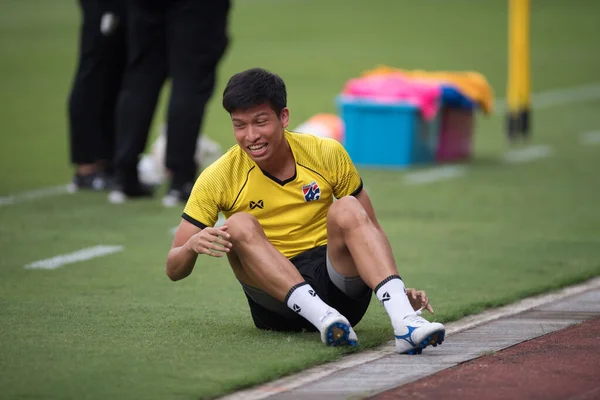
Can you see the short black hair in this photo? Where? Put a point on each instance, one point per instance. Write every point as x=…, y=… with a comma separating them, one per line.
x=252, y=88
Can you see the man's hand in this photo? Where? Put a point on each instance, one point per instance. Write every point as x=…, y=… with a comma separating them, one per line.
x=211, y=241
x=418, y=300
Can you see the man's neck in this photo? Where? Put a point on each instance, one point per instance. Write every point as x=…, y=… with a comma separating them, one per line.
x=282, y=165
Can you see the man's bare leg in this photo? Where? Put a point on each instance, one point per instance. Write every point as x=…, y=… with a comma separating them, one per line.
x=263, y=266
x=356, y=243
x=356, y=246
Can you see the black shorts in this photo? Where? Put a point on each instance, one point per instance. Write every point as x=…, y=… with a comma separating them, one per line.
x=312, y=265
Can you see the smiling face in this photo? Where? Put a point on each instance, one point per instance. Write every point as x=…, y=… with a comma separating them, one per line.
x=260, y=132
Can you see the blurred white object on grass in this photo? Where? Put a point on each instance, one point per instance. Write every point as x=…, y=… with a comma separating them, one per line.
x=152, y=169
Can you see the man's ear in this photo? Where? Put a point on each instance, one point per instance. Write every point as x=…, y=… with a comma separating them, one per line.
x=284, y=117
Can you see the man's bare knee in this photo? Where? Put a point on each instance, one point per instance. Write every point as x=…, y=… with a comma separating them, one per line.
x=243, y=227
x=347, y=213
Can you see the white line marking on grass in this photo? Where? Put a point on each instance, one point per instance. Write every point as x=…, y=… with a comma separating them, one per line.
x=527, y=154
x=79, y=255
x=559, y=97
x=434, y=174
x=34, y=195
x=314, y=374
x=592, y=137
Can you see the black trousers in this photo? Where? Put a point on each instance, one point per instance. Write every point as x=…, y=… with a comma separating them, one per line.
x=95, y=88
x=183, y=40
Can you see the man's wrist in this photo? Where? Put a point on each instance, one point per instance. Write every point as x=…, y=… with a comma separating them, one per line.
x=188, y=248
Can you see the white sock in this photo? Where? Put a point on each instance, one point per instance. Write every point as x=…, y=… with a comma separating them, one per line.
x=392, y=294
x=303, y=299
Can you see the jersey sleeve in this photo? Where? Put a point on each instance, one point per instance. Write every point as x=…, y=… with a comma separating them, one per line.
x=345, y=178
x=203, y=206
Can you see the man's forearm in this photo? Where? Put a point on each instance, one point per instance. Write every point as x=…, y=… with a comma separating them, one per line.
x=180, y=262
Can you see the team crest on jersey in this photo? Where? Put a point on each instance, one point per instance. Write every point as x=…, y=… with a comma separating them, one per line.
x=311, y=191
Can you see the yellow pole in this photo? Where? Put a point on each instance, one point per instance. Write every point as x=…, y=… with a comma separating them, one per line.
x=526, y=84
x=513, y=64
x=518, y=89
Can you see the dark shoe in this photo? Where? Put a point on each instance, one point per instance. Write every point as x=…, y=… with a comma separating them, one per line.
x=95, y=182
x=178, y=195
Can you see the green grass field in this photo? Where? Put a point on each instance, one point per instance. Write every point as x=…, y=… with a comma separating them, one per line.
x=116, y=327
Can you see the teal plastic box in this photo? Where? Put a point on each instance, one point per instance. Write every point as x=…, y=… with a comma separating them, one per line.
x=387, y=135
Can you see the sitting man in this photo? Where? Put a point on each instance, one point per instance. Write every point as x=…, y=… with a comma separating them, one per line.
x=303, y=260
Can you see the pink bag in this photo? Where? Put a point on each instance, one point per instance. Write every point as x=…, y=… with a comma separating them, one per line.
x=395, y=88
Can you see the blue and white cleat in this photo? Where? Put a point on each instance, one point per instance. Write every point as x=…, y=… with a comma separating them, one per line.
x=418, y=333
x=337, y=331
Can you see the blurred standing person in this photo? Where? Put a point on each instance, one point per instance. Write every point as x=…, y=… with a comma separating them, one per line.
x=92, y=101
x=183, y=40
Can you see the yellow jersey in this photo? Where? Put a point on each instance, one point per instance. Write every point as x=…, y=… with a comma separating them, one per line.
x=293, y=212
